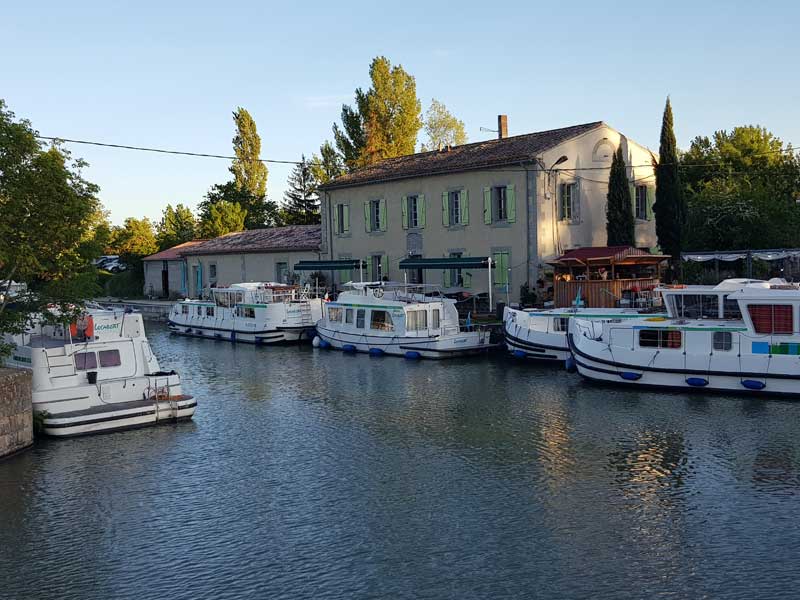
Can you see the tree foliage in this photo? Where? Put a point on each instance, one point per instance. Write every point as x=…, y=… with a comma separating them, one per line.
x=301, y=201
x=620, y=224
x=669, y=207
x=385, y=120
x=442, y=128
x=47, y=213
x=178, y=225
x=223, y=217
x=327, y=166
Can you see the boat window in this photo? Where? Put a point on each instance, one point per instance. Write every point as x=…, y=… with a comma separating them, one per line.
x=209, y=311
x=381, y=320
x=184, y=309
x=730, y=309
x=560, y=323
x=246, y=311
x=85, y=361
x=335, y=314
x=772, y=318
x=199, y=311
x=109, y=358
x=435, y=318
x=659, y=338
x=360, y=318
x=695, y=306
x=416, y=320
x=723, y=340
x=348, y=316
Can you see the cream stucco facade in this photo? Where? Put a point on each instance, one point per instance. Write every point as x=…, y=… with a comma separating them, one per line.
x=548, y=207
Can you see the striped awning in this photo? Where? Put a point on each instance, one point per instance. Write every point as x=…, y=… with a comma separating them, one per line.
x=328, y=265
x=463, y=262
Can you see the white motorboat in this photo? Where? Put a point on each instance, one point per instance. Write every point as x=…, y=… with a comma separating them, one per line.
x=541, y=334
x=97, y=375
x=258, y=313
x=414, y=321
x=739, y=336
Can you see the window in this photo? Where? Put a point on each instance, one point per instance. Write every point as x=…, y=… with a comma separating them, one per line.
x=246, y=312
x=85, y=361
x=377, y=267
x=381, y=320
x=109, y=358
x=695, y=306
x=641, y=202
x=772, y=318
x=416, y=320
x=375, y=215
x=184, y=310
x=341, y=218
x=435, y=318
x=455, y=207
x=723, y=340
x=212, y=271
x=569, y=202
x=730, y=309
x=335, y=314
x=360, y=318
x=412, y=211
x=560, y=323
x=660, y=338
x=199, y=310
x=282, y=272
x=501, y=263
x=209, y=311
x=348, y=316
x=499, y=205
x=455, y=278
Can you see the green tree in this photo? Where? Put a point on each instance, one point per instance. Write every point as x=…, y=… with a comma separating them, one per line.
x=442, y=128
x=178, y=225
x=620, y=224
x=669, y=207
x=327, y=166
x=135, y=238
x=301, y=201
x=223, y=217
x=269, y=213
x=46, y=214
x=385, y=120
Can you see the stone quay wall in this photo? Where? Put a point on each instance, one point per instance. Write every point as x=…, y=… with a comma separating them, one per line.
x=16, y=413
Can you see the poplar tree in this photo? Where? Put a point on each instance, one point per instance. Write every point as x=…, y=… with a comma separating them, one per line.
x=328, y=165
x=669, y=207
x=442, y=128
x=620, y=224
x=223, y=217
x=301, y=202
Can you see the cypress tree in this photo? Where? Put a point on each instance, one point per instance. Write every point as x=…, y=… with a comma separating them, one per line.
x=301, y=202
x=669, y=208
x=620, y=226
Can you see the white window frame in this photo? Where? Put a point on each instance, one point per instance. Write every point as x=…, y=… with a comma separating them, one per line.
x=454, y=198
x=500, y=203
x=412, y=209
x=375, y=215
x=641, y=202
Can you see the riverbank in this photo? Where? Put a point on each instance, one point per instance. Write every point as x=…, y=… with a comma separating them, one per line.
x=16, y=413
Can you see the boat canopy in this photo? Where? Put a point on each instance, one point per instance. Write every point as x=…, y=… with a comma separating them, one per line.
x=329, y=265
x=463, y=262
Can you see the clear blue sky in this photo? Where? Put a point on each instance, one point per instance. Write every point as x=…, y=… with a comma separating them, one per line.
x=168, y=74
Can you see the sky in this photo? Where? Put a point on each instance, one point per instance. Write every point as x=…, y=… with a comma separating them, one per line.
x=169, y=74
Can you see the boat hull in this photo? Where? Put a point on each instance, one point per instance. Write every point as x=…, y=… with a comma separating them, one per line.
x=271, y=336
x=446, y=346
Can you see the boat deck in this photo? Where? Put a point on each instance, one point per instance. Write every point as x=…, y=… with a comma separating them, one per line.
x=115, y=406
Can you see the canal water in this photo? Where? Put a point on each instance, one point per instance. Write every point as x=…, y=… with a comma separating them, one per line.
x=315, y=474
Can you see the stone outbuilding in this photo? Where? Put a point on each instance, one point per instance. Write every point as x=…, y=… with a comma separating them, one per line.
x=165, y=274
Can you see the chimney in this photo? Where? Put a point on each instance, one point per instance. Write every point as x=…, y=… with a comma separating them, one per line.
x=502, y=126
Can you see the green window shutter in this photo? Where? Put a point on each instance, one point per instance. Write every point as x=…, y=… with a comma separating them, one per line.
x=367, y=223
x=385, y=265
x=446, y=278
x=382, y=214
x=421, y=210
x=576, y=202
x=467, y=278
x=511, y=204
x=445, y=209
x=336, y=218
x=632, y=187
x=487, y=205
x=651, y=199
x=404, y=210
x=368, y=270
x=465, y=207
x=346, y=218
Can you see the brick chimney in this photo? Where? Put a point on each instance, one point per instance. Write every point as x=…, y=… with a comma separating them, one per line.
x=502, y=126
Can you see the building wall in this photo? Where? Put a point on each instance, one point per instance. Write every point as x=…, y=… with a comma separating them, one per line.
x=152, y=277
x=241, y=268
x=16, y=414
x=536, y=236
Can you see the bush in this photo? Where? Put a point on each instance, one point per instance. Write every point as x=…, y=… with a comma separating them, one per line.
x=124, y=285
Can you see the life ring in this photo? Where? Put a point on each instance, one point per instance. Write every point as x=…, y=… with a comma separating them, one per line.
x=377, y=292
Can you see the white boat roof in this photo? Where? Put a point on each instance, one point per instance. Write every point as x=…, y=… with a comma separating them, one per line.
x=251, y=286
x=728, y=285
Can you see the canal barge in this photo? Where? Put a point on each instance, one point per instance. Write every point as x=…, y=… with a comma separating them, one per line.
x=414, y=321
x=739, y=336
x=98, y=374
x=257, y=313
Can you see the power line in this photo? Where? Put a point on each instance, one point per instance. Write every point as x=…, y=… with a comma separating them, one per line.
x=162, y=151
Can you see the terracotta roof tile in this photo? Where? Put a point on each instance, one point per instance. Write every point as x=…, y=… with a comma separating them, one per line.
x=479, y=155
x=273, y=239
x=174, y=253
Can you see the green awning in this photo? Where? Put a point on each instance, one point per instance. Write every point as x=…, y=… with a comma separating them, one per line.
x=327, y=265
x=464, y=262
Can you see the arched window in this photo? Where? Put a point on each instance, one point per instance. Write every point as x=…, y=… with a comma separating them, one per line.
x=603, y=151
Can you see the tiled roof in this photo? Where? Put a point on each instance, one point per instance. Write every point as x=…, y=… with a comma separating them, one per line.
x=274, y=239
x=174, y=253
x=479, y=155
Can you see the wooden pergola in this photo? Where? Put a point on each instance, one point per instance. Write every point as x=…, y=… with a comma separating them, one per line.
x=604, y=275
